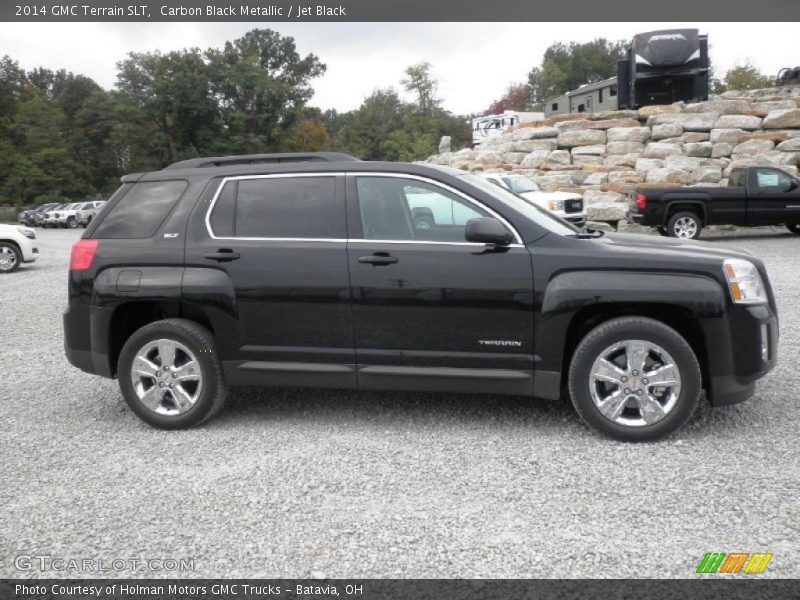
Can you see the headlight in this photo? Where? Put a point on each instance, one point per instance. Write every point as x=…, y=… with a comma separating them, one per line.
x=556, y=205
x=28, y=233
x=744, y=282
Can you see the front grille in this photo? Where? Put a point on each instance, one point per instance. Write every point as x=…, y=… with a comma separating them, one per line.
x=571, y=206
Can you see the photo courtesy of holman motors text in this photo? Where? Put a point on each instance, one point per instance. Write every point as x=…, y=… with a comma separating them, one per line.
x=378, y=299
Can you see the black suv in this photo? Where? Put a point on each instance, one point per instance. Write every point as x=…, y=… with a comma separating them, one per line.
x=308, y=270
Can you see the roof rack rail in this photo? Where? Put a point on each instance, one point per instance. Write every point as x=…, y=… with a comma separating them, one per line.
x=257, y=159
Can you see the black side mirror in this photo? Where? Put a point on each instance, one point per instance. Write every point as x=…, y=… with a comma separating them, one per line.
x=487, y=231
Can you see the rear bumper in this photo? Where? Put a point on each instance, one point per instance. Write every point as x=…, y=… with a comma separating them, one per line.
x=740, y=350
x=85, y=344
x=635, y=218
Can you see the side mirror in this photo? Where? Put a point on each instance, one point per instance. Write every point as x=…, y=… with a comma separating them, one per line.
x=487, y=231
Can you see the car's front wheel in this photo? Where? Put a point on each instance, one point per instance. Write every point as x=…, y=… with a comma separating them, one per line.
x=686, y=225
x=634, y=379
x=10, y=257
x=170, y=374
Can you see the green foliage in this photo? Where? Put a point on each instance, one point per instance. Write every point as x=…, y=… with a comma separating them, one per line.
x=566, y=66
x=63, y=138
x=742, y=77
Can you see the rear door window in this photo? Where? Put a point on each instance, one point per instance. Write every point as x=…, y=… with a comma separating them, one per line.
x=141, y=211
x=278, y=208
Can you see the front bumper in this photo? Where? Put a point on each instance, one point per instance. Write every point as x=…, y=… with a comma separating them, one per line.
x=740, y=350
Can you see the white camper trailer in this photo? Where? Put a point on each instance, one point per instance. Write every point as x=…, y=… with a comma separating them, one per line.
x=490, y=126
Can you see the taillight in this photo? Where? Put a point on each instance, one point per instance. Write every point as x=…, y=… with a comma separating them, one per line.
x=83, y=252
x=641, y=201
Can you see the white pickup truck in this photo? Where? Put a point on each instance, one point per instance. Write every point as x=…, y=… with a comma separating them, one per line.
x=568, y=206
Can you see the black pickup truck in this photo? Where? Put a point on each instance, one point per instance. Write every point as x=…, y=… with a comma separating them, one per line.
x=754, y=196
x=309, y=270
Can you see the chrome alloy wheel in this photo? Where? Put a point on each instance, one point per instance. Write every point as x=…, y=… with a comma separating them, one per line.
x=635, y=383
x=8, y=259
x=685, y=227
x=166, y=377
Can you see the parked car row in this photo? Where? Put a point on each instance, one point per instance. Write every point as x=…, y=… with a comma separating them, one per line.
x=72, y=215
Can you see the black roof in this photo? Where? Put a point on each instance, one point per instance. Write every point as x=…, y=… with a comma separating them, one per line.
x=260, y=159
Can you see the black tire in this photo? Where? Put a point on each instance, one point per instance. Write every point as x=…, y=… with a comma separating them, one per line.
x=424, y=223
x=675, y=221
x=11, y=258
x=72, y=223
x=621, y=329
x=794, y=228
x=200, y=342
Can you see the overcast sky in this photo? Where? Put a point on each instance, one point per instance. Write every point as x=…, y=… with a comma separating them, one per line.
x=474, y=62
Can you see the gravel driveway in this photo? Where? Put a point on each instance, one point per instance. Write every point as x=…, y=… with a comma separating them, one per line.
x=297, y=483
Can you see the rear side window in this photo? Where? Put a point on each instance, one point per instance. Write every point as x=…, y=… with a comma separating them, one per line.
x=277, y=207
x=141, y=211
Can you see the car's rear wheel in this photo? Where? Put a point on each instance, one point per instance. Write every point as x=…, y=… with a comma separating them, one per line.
x=634, y=379
x=685, y=225
x=72, y=223
x=794, y=228
x=170, y=374
x=10, y=257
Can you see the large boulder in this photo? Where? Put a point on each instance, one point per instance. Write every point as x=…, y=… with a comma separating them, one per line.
x=574, y=125
x=693, y=137
x=728, y=136
x=595, y=149
x=535, y=159
x=650, y=111
x=700, y=149
x=621, y=160
x=684, y=163
x=792, y=145
x=748, y=122
x=513, y=158
x=777, y=119
x=753, y=147
x=660, y=150
x=586, y=137
x=605, y=206
x=628, y=134
x=723, y=107
x=615, y=123
x=585, y=160
x=559, y=157
x=533, y=145
x=533, y=133
x=647, y=164
x=707, y=175
x=668, y=130
x=689, y=121
x=444, y=144
x=624, y=147
x=604, y=115
x=721, y=149
x=783, y=158
x=770, y=105
x=489, y=156
x=668, y=175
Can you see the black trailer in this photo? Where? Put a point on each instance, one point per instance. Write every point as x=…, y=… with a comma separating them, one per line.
x=663, y=67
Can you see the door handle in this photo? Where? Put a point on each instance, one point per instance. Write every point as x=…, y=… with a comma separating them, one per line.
x=223, y=255
x=378, y=259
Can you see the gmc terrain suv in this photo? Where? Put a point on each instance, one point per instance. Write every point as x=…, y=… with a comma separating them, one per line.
x=307, y=270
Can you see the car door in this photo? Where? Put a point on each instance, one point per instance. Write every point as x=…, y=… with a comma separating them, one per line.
x=773, y=197
x=430, y=310
x=279, y=242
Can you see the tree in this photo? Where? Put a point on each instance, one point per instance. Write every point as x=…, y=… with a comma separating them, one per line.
x=742, y=77
x=260, y=84
x=567, y=66
x=308, y=135
x=516, y=97
x=420, y=82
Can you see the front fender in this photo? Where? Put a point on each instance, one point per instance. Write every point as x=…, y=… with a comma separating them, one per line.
x=570, y=294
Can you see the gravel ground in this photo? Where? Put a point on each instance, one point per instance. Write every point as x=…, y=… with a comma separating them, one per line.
x=297, y=483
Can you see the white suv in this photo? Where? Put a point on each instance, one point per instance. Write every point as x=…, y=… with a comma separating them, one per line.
x=566, y=205
x=17, y=245
x=67, y=216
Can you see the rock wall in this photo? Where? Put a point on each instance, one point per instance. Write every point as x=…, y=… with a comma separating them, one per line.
x=604, y=154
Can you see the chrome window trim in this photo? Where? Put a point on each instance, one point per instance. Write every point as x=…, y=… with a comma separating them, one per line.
x=433, y=182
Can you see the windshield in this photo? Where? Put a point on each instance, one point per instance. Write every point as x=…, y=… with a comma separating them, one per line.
x=538, y=215
x=519, y=184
